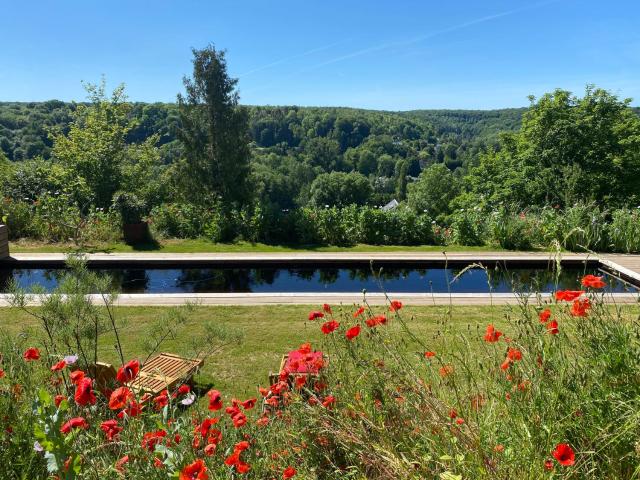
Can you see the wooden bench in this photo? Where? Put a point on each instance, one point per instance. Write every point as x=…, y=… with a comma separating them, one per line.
x=165, y=370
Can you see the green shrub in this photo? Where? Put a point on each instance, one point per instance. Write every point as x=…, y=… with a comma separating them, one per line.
x=469, y=227
x=182, y=220
x=511, y=230
x=624, y=231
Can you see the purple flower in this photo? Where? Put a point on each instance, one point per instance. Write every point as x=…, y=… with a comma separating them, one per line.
x=37, y=447
x=70, y=359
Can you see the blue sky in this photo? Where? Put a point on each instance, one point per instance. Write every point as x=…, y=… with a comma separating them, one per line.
x=394, y=55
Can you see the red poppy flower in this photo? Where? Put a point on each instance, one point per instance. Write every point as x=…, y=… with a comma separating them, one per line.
x=459, y=421
x=161, y=400
x=133, y=410
x=592, y=281
x=249, y=404
x=552, y=327
x=111, y=429
x=215, y=400
x=446, y=370
x=315, y=315
x=327, y=308
x=194, y=471
x=1, y=373
x=548, y=465
x=375, y=321
x=77, y=422
x=544, y=315
x=58, y=400
x=429, y=354
x=120, y=463
x=580, y=307
x=119, y=398
x=453, y=413
x=492, y=335
x=353, y=332
x=288, y=473
x=329, y=401
x=514, y=354
x=31, y=354
x=330, y=326
x=506, y=364
x=128, y=371
x=84, y=392
x=76, y=376
x=151, y=439
x=395, y=305
x=568, y=295
x=58, y=366
x=358, y=312
x=563, y=453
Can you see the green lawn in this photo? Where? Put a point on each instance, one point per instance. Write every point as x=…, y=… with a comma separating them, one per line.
x=268, y=332
x=205, y=246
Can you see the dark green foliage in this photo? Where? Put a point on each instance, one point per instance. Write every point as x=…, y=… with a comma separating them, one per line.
x=214, y=133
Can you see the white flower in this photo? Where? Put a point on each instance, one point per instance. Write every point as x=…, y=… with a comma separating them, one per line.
x=37, y=447
x=188, y=400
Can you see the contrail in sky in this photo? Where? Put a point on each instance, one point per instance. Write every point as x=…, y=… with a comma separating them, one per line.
x=293, y=57
x=427, y=36
x=398, y=43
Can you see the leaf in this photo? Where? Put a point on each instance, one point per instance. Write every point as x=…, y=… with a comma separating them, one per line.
x=450, y=476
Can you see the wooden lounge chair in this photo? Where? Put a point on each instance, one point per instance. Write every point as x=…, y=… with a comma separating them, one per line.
x=165, y=370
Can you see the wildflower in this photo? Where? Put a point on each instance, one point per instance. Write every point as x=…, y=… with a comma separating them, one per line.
x=128, y=371
x=151, y=439
x=84, y=392
x=544, y=315
x=194, y=471
x=353, y=332
x=358, y=312
x=119, y=398
x=429, y=354
x=329, y=401
x=249, y=404
x=111, y=429
x=58, y=366
x=514, y=354
x=375, y=321
x=460, y=421
x=506, y=364
x=77, y=422
x=161, y=400
x=37, y=447
x=327, y=308
x=498, y=448
x=592, y=281
x=305, y=348
x=568, y=295
x=453, y=413
x=580, y=307
x=120, y=463
x=315, y=315
x=215, y=400
x=446, y=370
x=329, y=327
x=563, y=453
x=31, y=354
x=76, y=376
x=288, y=473
x=57, y=400
x=70, y=359
x=395, y=305
x=548, y=465
x=1, y=373
x=552, y=327
x=492, y=335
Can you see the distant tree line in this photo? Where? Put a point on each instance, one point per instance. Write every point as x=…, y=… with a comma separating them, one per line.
x=208, y=153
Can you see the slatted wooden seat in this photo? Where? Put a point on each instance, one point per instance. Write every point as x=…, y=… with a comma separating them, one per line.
x=165, y=370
